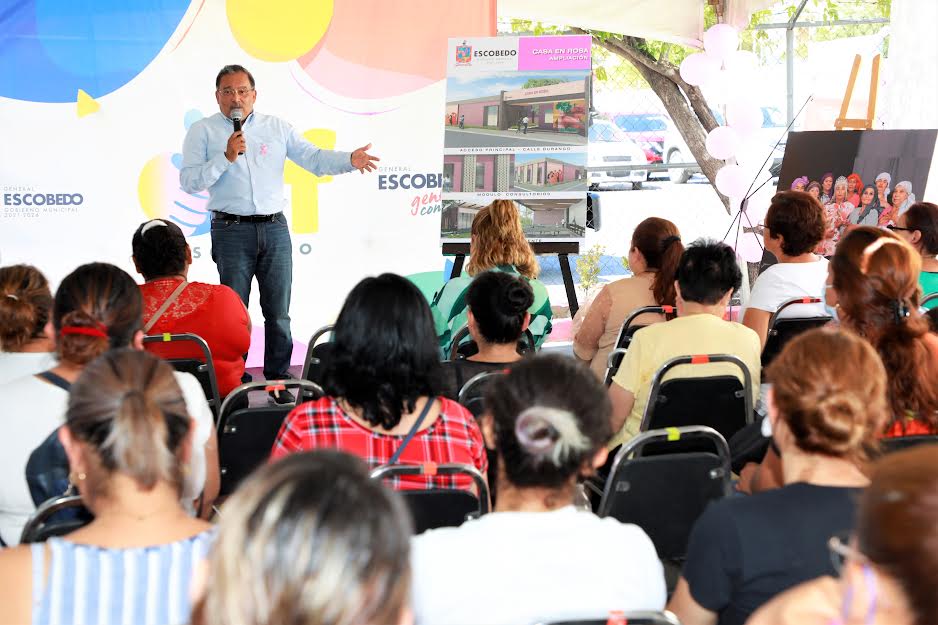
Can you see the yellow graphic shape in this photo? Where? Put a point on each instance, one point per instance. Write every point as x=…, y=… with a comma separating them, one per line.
x=86, y=104
x=278, y=30
x=304, y=191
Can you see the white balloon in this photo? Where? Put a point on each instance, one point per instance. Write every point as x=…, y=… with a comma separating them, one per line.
x=723, y=88
x=722, y=142
x=699, y=69
x=731, y=181
x=744, y=116
x=720, y=41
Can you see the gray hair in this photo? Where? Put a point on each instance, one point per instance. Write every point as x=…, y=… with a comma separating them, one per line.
x=840, y=182
x=909, y=201
x=550, y=434
x=233, y=69
x=309, y=539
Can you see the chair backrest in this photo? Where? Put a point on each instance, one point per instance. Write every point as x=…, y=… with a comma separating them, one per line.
x=42, y=526
x=203, y=369
x=898, y=443
x=931, y=297
x=471, y=395
x=246, y=435
x=627, y=331
x=616, y=617
x=439, y=507
x=666, y=494
x=317, y=355
x=463, y=348
x=782, y=330
x=720, y=402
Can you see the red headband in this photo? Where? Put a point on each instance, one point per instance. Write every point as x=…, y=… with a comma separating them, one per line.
x=96, y=332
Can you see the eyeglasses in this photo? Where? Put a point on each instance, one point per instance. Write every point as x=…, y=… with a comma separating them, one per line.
x=242, y=91
x=840, y=551
x=892, y=227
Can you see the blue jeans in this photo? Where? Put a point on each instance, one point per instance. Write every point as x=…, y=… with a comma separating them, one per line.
x=243, y=250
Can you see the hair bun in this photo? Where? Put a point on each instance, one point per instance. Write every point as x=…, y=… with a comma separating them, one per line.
x=517, y=297
x=549, y=434
x=842, y=423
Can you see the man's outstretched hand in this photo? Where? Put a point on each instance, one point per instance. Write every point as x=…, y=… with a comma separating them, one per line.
x=363, y=161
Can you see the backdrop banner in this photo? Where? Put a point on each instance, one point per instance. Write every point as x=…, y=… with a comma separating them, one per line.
x=96, y=99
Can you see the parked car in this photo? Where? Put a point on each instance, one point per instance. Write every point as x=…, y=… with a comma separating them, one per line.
x=773, y=125
x=647, y=130
x=610, y=146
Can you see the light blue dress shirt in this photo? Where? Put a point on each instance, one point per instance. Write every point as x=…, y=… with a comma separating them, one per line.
x=253, y=184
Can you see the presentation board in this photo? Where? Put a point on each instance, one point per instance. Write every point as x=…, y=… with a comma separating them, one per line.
x=515, y=125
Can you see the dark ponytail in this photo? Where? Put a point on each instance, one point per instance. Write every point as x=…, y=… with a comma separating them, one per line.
x=499, y=301
x=159, y=248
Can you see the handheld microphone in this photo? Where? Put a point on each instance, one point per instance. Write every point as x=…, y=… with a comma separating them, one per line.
x=236, y=115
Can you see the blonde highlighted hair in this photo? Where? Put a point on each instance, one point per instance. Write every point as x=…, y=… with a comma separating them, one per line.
x=498, y=239
x=310, y=540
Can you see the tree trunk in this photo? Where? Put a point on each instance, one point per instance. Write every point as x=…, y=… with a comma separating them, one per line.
x=684, y=103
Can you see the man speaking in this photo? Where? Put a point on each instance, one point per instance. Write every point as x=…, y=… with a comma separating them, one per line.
x=238, y=155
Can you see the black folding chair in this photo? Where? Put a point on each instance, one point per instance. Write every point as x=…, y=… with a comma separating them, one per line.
x=665, y=494
x=439, y=507
x=42, y=526
x=203, y=369
x=471, y=395
x=623, y=618
x=246, y=435
x=783, y=330
x=461, y=348
x=899, y=443
x=627, y=331
x=318, y=355
x=720, y=402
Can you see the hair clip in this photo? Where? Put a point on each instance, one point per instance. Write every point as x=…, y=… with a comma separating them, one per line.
x=153, y=223
x=95, y=332
x=12, y=296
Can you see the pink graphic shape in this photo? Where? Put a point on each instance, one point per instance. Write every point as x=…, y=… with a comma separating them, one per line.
x=554, y=53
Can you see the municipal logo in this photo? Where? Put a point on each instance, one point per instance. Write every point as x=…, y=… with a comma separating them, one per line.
x=463, y=54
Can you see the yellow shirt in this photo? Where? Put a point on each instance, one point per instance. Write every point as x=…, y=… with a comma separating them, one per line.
x=651, y=347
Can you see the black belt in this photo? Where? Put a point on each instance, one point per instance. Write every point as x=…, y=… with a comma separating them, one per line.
x=246, y=218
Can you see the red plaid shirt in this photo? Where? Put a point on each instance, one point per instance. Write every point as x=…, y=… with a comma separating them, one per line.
x=453, y=437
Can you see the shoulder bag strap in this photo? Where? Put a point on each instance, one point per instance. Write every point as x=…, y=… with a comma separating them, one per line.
x=162, y=309
x=413, y=430
x=57, y=380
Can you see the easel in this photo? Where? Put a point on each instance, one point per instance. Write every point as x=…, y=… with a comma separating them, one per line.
x=842, y=122
x=562, y=250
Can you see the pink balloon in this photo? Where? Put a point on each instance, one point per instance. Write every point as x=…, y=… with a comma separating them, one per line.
x=731, y=181
x=741, y=62
x=699, y=69
x=720, y=41
x=744, y=116
x=749, y=246
x=722, y=142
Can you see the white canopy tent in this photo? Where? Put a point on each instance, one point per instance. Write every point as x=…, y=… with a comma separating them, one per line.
x=676, y=21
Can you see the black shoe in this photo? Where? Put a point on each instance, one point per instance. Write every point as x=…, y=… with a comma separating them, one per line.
x=281, y=398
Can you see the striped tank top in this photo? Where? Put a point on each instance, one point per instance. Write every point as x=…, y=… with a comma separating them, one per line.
x=137, y=586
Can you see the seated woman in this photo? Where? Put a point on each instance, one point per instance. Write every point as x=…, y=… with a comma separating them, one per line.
x=867, y=209
x=707, y=276
x=890, y=568
x=497, y=243
x=498, y=315
x=309, y=539
x=919, y=227
x=653, y=258
x=794, y=225
x=838, y=212
x=745, y=550
x=382, y=386
x=548, y=421
x=25, y=302
x=175, y=306
x=97, y=307
x=874, y=291
x=128, y=437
